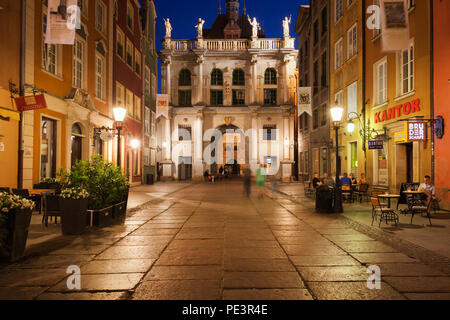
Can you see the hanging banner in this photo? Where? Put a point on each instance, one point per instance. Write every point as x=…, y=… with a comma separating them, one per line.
x=304, y=100
x=394, y=25
x=30, y=103
x=162, y=106
x=62, y=19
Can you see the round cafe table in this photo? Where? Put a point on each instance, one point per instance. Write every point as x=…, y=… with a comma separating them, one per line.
x=389, y=197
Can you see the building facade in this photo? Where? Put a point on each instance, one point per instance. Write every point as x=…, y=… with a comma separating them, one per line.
x=314, y=71
x=150, y=87
x=127, y=83
x=232, y=96
x=441, y=27
x=398, y=88
x=346, y=82
x=10, y=53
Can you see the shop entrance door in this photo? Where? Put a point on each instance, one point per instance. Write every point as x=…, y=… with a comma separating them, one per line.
x=409, y=163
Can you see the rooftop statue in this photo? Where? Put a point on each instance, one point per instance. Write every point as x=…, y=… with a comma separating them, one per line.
x=286, y=23
x=199, y=27
x=168, y=28
x=255, y=26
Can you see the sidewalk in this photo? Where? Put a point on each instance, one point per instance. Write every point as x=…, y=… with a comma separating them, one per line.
x=138, y=196
x=435, y=238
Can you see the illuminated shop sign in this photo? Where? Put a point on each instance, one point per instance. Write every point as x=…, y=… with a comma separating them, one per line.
x=31, y=103
x=398, y=111
x=417, y=131
x=376, y=144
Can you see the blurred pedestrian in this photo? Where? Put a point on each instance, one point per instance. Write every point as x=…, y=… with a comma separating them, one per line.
x=247, y=182
x=261, y=180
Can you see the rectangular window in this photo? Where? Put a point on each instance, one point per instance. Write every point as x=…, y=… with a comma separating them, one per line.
x=130, y=16
x=216, y=97
x=407, y=70
x=316, y=31
x=316, y=119
x=100, y=16
x=380, y=82
x=338, y=9
x=184, y=98
x=270, y=96
x=120, y=95
x=324, y=112
x=323, y=78
x=316, y=77
x=352, y=98
x=324, y=21
x=137, y=62
x=270, y=132
x=137, y=108
x=147, y=81
x=99, y=75
x=120, y=43
x=49, y=51
x=129, y=53
x=78, y=56
x=338, y=54
x=129, y=102
x=238, y=97
x=48, y=147
x=352, y=44
x=136, y=166
x=339, y=99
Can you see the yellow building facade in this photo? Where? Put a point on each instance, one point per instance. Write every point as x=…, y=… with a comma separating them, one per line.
x=346, y=81
x=398, y=88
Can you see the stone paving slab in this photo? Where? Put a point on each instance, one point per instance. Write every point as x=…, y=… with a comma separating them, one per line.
x=117, y=266
x=324, y=261
x=419, y=284
x=336, y=273
x=185, y=273
x=382, y=257
x=262, y=280
x=130, y=252
x=267, y=294
x=258, y=265
x=31, y=277
x=178, y=290
x=103, y=282
x=83, y=296
x=21, y=293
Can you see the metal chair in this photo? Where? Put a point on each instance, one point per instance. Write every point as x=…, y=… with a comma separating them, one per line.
x=386, y=214
x=363, y=191
x=347, y=193
x=51, y=207
x=420, y=209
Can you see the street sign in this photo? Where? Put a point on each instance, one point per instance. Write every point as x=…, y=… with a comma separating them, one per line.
x=417, y=131
x=31, y=103
x=376, y=145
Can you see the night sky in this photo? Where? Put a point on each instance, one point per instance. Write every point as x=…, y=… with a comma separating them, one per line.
x=184, y=14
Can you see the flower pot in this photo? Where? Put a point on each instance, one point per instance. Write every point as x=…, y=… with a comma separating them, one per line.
x=16, y=228
x=120, y=212
x=103, y=217
x=73, y=215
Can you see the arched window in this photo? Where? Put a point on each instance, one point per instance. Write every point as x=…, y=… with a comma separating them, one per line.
x=185, y=78
x=216, y=77
x=238, y=77
x=76, y=129
x=270, y=76
x=77, y=144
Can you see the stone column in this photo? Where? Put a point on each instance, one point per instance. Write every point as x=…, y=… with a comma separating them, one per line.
x=198, y=145
x=254, y=92
x=167, y=62
x=167, y=148
x=286, y=79
x=286, y=164
x=254, y=140
x=199, y=98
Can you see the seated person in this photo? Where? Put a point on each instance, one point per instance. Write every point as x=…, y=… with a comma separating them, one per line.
x=327, y=181
x=352, y=177
x=363, y=180
x=428, y=188
x=316, y=181
x=346, y=182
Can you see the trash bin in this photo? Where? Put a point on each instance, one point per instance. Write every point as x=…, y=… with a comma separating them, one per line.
x=324, y=199
x=150, y=179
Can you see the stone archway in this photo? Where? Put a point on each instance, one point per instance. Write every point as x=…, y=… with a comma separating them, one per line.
x=233, y=150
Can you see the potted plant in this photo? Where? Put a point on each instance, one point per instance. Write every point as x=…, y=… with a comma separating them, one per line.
x=15, y=218
x=74, y=206
x=107, y=187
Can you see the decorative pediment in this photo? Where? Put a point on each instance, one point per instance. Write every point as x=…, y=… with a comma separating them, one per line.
x=101, y=48
x=82, y=98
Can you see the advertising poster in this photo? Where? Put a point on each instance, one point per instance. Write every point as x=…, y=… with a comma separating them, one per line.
x=63, y=19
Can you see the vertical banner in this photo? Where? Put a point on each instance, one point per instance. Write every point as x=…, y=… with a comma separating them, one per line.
x=162, y=106
x=304, y=102
x=62, y=19
x=394, y=25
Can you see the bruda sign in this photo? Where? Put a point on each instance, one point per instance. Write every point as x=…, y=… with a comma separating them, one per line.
x=398, y=111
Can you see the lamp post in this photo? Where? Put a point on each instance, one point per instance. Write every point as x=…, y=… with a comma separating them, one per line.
x=336, y=115
x=119, y=116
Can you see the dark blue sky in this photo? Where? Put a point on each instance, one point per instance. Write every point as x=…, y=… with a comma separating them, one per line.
x=183, y=15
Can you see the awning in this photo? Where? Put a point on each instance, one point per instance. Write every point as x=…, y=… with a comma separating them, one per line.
x=11, y=114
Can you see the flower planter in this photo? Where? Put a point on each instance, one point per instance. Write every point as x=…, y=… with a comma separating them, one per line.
x=73, y=215
x=103, y=218
x=120, y=212
x=16, y=227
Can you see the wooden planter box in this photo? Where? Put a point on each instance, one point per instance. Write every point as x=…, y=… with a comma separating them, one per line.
x=16, y=229
x=104, y=217
x=73, y=215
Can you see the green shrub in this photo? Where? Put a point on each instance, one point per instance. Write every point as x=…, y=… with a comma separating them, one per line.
x=105, y=182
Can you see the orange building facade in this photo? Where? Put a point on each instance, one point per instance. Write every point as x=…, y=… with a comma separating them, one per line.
x=441, y=21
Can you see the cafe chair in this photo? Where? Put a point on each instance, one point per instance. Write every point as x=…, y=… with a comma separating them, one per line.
x=6, y=190
x=51, y=207
x=362, y=192
x=347, y=193
x=385, y=214
x=421, y=209
x=21, y=192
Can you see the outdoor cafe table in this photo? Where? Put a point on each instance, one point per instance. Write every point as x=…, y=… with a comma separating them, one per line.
x=389, y=197
x=38, y=192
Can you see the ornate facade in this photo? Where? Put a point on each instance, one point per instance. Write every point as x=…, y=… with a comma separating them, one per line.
x=234, y=81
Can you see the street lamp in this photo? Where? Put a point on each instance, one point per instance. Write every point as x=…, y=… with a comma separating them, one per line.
x=119, y=116
x=336, y=116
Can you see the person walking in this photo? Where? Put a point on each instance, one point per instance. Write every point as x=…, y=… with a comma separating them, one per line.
x=261, y=180
x=247, y=182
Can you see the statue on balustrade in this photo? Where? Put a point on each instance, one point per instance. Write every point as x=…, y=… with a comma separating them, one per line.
x=199, y=27
x=168, y=28
x=286, y=23
x=255, y=27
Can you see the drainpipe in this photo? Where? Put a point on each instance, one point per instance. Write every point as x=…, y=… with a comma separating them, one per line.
x=22, y=93
x=432, y=90
x=364, y=147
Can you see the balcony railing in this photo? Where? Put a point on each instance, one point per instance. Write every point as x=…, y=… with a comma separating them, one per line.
x=228, y=45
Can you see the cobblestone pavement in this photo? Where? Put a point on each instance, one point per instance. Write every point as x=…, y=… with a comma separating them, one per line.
x=210, y=242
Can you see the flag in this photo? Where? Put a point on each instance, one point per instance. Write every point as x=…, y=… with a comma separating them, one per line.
x=63, y=17
x=304, y=100
x=394, y=25
x=162, y=106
